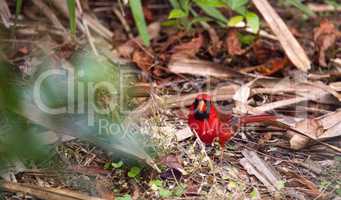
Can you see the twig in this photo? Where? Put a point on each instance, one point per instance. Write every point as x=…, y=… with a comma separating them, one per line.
x=45, y=193
x=5, y=13
x=49, y=14
x=323, y=8
x=123, y=22
x=290, y=45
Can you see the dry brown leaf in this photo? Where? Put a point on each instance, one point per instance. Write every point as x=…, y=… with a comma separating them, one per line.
x=143, y=60
x=263, y=50
x=173, y=162
x=321, y=128
x=125, y=50
x=188, y=49
x=269, y=68
x=233, y=44
x=215, y=43
x=272, y=66
x=290, y=45
x=324, y=38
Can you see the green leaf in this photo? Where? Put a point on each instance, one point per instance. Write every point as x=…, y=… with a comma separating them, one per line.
x=71, y=4
x=252, y=21
x=212, y=12
x=338, y=192
x=185, y=5
x=171, y=22
x=125, y=197
x=136, y=9
x=177, y=13
x=254, y=194
x=235, y=20
x=180, y=190
x=305, y=9
x=232, y=185
x=236, y=4
x=164, y=193
x=246, y=39
x=175, y=4
x=134, y=171
x=107, y=166
x=117, y=165
x=155, y=184
x=18, y=6
x=211, y=3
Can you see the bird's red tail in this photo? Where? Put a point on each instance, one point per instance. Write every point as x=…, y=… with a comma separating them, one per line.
x=257, y=118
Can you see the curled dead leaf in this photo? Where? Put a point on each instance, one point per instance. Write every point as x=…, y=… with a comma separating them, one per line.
x=324, y=38
x=173, y=162
x=233, y=44
x=188, y=49
x=143, y=60
x=272, y=66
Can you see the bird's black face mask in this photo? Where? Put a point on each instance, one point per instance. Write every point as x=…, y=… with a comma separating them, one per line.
x=202, y=109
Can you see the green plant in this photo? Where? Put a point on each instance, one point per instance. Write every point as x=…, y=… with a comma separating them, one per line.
x=134, y=172
x=299, y=5
x=157, y=185
x=137, y=11
x=184, y=15
x=125, y=197
x=71, y=4
x=111, y=165
x=18, y=6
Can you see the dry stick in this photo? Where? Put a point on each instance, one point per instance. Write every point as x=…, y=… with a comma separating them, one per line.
x=123, y=22
x=49, y=14
x=62, y=7
x=93, y=23
x=87, y=31
x=45, y=193
x=323, y=8
x=5, y=13
x=287, y=127
x=290, y=45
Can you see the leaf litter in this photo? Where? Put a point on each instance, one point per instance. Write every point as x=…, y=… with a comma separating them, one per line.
x=258, y=162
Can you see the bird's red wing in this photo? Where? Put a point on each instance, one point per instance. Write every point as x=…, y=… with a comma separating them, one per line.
x=257, y=118
x=203, y=128
x=224, y=133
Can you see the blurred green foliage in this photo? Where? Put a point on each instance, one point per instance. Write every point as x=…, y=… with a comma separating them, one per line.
x=74, y=86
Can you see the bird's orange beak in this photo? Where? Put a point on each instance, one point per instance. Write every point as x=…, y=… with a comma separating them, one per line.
x=201, y=106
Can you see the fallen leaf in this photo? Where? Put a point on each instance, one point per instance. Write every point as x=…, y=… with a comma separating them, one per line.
x=143, y=60
x=292, y=48
x=173, y=162
x=262, y=49
x=104, y=188
x=23, y=50
x=321, y=128
x=215, y=42
x=324, y=38
x=188, y=49
x=233, y=44
x=148, y=14
x=265, y=138
x=125, y=50
x=272, y=66
x=200, y=68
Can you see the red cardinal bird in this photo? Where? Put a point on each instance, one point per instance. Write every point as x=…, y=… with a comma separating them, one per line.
x=204, y=120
